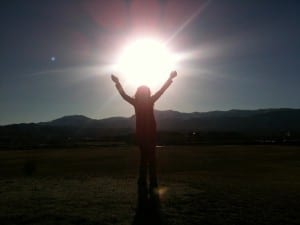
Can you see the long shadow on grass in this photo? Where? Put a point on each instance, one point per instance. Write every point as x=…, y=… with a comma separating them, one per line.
x=148, y=210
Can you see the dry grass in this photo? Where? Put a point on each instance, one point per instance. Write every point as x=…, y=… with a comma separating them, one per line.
x=199, y=185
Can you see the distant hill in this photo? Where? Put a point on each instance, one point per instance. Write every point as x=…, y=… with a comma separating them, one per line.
x=79, y=121
x=262, y=120
x=169, y=120
x=260, y=123
x=74, y=121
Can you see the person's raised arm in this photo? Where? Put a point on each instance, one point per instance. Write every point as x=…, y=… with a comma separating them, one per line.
x=121, y=90
x=167, y=84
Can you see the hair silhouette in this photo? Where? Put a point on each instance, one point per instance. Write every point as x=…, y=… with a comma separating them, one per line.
x=143, y=93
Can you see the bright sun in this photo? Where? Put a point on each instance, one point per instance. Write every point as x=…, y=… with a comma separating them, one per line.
x=145, y=62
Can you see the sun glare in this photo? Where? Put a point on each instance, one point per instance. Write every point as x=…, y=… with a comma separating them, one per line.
x=145, y=62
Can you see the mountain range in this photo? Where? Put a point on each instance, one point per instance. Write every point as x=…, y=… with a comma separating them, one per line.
x=261, y=122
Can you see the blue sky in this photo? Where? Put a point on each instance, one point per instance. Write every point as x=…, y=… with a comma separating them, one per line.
x=56, y=55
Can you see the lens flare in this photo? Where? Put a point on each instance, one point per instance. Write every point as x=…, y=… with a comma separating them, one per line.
x=145, y=62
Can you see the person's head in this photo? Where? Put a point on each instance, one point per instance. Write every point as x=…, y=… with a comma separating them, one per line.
x=143, y=93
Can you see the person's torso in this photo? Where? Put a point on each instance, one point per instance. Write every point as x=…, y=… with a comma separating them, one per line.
x=145, y=120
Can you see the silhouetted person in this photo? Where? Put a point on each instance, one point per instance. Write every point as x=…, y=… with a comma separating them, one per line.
x=143, y=103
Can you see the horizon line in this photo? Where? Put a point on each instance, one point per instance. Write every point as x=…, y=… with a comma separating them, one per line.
x=103, y=118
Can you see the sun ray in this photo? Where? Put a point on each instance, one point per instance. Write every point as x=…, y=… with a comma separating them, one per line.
x=188, y=21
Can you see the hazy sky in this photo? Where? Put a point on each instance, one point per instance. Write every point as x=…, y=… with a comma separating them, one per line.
x=56, y=55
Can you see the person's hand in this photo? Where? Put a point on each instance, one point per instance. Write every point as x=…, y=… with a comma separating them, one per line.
x=173, y=74
x=115, y=79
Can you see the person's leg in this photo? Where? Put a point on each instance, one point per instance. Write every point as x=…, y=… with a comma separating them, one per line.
x=142, y=179
x=152, y=167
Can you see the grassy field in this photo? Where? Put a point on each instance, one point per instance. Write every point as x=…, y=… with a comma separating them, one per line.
x=198, y=185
